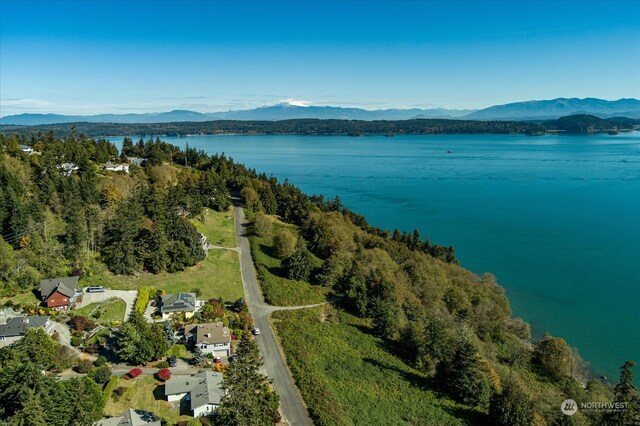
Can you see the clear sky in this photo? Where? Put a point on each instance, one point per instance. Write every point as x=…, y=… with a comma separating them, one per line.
x=140, y=56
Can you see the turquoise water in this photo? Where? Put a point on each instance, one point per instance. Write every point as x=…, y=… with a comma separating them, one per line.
x=555, y=218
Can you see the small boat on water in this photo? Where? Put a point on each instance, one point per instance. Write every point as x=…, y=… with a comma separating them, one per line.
x=449, y=152
x=613, y=132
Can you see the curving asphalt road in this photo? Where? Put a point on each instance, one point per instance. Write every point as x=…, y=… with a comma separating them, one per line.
x=293, y=408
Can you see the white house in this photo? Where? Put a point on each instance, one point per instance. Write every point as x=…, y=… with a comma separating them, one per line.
x=67, y=169
x=113, y=167
x=203, y=390
x=211, y=338
x=17, y=327
x=26, y=149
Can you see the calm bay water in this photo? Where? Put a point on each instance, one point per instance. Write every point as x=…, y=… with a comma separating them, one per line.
x=555, y=218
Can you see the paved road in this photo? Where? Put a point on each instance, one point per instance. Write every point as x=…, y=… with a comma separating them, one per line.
x=293, y=408
x=129, y=297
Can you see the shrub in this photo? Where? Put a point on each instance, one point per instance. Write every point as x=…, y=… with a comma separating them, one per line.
x=100, y=361
x=76, y=341
x=84, y=366
x=163, y=364
x=554, y=356
x=135, y=372
x=164, y=374
x=100, y=375
x=284, y=243
x=82, y=323
x=120, y=390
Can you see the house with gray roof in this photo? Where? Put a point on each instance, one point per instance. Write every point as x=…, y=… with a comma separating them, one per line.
x=179, y=302
x=131, y=417
x=203, y=391
x=59, y=293
x=211, y=338
x=17, y=327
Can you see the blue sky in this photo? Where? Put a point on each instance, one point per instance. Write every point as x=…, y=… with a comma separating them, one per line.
x=140, y=56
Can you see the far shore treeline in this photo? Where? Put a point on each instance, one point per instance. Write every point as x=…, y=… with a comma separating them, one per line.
x=576, y=124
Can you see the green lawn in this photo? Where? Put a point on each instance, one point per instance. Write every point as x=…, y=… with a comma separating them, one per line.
x=347, y=376
x=216, y=276
x=104, y=312
x=179, y=351
x=218, y=227
x=143, y=393
x=277, y=290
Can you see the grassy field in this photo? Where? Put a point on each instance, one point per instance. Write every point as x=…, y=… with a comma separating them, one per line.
x=279, y=291
x=218, y=227
x=347, y=376
x=143, y=393
x=216, y=276
x=106, y=312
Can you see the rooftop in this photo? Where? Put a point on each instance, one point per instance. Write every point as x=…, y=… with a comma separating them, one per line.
x=214, y=332
x=18, y=326
x=65, y=285
x=180, y=302
x=131, y=417
x=205, y=388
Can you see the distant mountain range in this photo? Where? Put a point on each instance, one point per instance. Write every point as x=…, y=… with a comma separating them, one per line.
x=530, y=110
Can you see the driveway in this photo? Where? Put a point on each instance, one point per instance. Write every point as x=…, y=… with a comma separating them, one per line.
x=129, y=297
x=64, y=335
x=293, y=408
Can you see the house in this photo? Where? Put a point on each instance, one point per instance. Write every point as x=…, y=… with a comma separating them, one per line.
x=136, y=160
x=17, y=327
x=203, y=390
x=113, y=167
x=131, y=417
x=67, y=169
x=26, y=149
x=212, y=338
x=180, y=302
x=59, y=293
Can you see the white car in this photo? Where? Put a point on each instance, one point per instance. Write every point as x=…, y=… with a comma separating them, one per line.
x=95, y=289
x=256, y=331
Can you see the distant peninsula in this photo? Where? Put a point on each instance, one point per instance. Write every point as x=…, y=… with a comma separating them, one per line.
x=575, y=124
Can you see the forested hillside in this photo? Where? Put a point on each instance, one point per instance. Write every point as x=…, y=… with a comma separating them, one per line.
x=449, y=333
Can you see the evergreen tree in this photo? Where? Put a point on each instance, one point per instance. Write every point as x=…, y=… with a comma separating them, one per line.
x=248, y=399
x=32, y=413
x=168, y=333
x=462, y=379
x=121, y=234
x=626, y=392
x=511, y=407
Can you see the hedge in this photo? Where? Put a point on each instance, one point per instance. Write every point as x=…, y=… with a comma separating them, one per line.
x=111, y=385
x=144, y=295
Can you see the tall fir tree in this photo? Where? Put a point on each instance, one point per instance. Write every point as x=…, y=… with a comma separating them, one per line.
x=249, y=399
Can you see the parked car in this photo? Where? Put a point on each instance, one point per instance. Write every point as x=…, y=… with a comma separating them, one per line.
x=256, y=331
x=172, y=361
x=95, y=289
x=217, y=360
